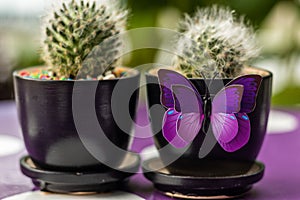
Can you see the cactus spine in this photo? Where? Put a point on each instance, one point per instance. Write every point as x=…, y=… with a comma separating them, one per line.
x=76, y=40
x=214, y=40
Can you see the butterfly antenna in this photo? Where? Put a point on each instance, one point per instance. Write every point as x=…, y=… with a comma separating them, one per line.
x=205, y=81
x=214, y=77
x=202, y=74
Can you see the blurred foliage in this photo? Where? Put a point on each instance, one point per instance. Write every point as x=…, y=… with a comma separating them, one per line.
x=149, y=13
x=275, y=19
x=20, y=50
x=280, y=37
x=290, y=96
x=28, y=55
x=255, y=10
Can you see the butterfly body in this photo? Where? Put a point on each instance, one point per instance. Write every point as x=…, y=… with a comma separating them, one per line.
x=207, y=104
x=225, y=114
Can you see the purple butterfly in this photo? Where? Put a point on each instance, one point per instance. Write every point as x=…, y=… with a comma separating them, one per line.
x=187, y=112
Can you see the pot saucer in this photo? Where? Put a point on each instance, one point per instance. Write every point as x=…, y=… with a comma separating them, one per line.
x=211, y=180
x=80, y=182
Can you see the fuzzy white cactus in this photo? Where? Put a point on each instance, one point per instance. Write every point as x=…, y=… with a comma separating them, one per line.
x=76, y=33
x=214, y=40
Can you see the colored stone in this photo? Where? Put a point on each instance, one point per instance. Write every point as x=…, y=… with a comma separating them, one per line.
x=24, y=73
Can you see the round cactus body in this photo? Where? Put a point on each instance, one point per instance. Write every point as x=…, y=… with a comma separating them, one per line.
x=214, y=41
x=82, y=38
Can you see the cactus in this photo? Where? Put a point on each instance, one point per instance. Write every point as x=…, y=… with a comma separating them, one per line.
x=82, y=38
x=213, y=41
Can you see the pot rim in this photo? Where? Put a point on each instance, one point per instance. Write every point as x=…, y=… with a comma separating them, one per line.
x=134, y=73
x=267, y=76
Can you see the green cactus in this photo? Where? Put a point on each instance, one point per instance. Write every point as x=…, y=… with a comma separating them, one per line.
x=82, y=38
x=214, y=40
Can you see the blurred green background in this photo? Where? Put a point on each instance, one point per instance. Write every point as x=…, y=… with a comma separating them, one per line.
x=277, y=23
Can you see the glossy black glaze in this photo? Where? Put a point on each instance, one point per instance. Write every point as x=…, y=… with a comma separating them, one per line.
x=47, y=122
x=79, y=181
x=249, y=152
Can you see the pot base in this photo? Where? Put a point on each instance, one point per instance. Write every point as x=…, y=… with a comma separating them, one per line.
x=227, y=184
x=80, y=182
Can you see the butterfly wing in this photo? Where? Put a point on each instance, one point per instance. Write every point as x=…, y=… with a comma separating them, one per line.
x=251, y=85
x=189, y=125
x=224, y=123
x=187, y=100
x=233, y=140
x=225, y=126
x=242, y=136
x=182, y=121
x=169, y=129
x=190, y=105
x=228, y=100
x=166, y=79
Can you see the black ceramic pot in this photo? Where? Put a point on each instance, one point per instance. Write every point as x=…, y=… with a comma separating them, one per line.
x=47, y=113
x=177, y=160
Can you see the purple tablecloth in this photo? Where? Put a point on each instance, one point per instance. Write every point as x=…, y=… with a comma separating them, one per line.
x=280, y=153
